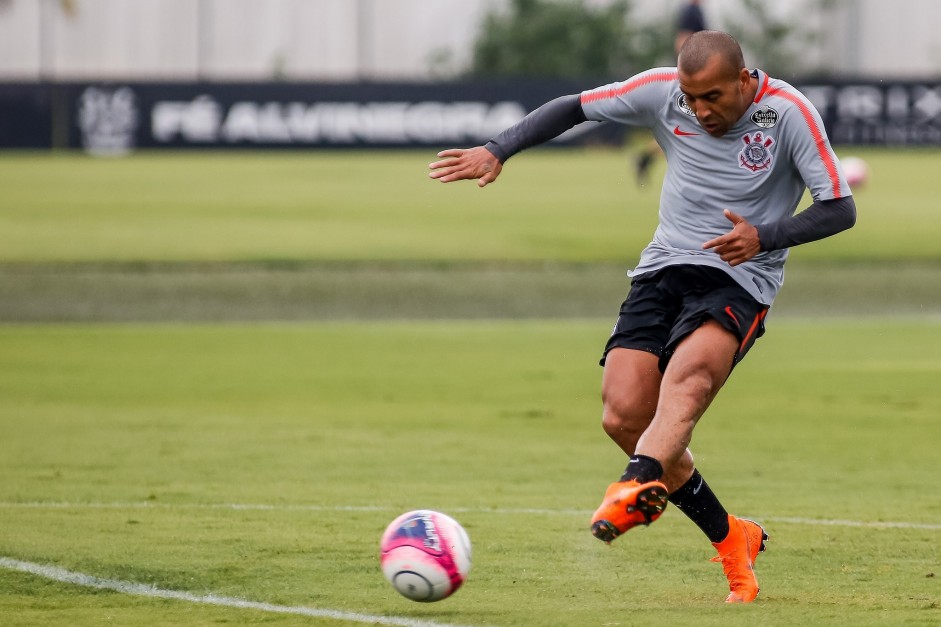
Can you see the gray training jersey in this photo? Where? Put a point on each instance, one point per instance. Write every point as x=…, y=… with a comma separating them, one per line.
x=759, y=169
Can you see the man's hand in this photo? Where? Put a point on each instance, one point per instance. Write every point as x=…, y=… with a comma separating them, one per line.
x=738, y=245
x=473, y=163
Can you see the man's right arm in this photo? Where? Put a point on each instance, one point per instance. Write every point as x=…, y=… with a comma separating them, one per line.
x=548, y=121
x=635, y=101
x=484, y=163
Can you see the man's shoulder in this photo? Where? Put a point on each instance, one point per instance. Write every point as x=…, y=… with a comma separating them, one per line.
x=782, y=94
x=663, y=79
x=785, y=103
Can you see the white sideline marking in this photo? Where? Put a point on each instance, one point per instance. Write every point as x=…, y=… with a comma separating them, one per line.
x=852, y=523
x=457, y=510
x=138, y=589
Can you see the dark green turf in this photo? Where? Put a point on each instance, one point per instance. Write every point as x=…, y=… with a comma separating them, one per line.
x=122, y=292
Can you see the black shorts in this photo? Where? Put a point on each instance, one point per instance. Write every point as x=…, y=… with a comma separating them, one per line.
x=665, y=306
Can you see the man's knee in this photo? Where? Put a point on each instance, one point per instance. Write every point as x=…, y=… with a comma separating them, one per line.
x=629, y=394
x=625, y=420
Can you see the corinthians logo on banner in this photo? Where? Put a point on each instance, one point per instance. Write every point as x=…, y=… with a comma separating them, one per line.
x=108, y=120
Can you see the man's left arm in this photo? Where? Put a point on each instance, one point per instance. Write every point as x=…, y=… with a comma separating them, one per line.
x=821, y=219
x=803, y=133
x=833, y=210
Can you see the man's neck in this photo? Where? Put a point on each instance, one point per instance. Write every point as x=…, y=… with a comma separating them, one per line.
x=752, y=90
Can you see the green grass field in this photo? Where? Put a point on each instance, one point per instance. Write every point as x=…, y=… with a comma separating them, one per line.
x=127, y=450
x=152, y=436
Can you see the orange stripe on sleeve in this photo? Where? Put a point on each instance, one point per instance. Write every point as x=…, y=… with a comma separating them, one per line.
x=817, y=134
x=658, y=77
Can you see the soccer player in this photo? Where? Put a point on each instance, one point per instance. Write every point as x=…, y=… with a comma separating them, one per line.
x=741, y=148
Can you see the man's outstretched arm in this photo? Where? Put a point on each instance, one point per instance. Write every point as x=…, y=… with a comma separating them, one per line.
x=485, y=163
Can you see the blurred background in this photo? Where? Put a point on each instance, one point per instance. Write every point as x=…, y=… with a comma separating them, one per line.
x=287, y=142
x=350, y=40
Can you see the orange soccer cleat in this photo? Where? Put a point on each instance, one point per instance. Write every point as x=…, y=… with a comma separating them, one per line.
x=627, y=504
x=737, y=553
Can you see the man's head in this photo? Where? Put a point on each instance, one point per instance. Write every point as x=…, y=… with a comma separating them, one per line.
x=713, y=76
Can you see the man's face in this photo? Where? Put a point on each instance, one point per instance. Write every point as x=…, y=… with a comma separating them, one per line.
x=717, y=95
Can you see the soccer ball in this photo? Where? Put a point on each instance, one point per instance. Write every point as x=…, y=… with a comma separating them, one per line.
x=855, y=170
x=425, y=555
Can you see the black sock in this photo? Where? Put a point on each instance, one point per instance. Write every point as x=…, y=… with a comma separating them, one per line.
x=699, y=503
x=643, y=469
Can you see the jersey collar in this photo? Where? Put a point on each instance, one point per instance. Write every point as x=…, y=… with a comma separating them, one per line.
x=763, y=80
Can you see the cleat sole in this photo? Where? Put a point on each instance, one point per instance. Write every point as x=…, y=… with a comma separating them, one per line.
x=650, y=503
x=604, y=531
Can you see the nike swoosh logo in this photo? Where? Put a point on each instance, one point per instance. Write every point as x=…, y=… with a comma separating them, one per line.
x=699, y=487
x=677, y=131
x=729, y=311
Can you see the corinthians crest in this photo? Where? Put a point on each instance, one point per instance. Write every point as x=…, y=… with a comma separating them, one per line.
x=108, y=119
x=756, y=155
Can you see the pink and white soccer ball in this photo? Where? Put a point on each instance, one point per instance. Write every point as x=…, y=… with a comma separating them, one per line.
x=855, y=170
x=426, y=555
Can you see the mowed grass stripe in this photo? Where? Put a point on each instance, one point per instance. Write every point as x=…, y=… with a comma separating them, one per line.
x=246, y=292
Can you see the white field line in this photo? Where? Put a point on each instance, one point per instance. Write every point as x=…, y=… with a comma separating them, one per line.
x=852, y=523
x=457, y=510
x=128, y=587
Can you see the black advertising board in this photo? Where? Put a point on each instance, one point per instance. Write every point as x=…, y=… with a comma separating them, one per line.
x=112, y=118
x=25, y=116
